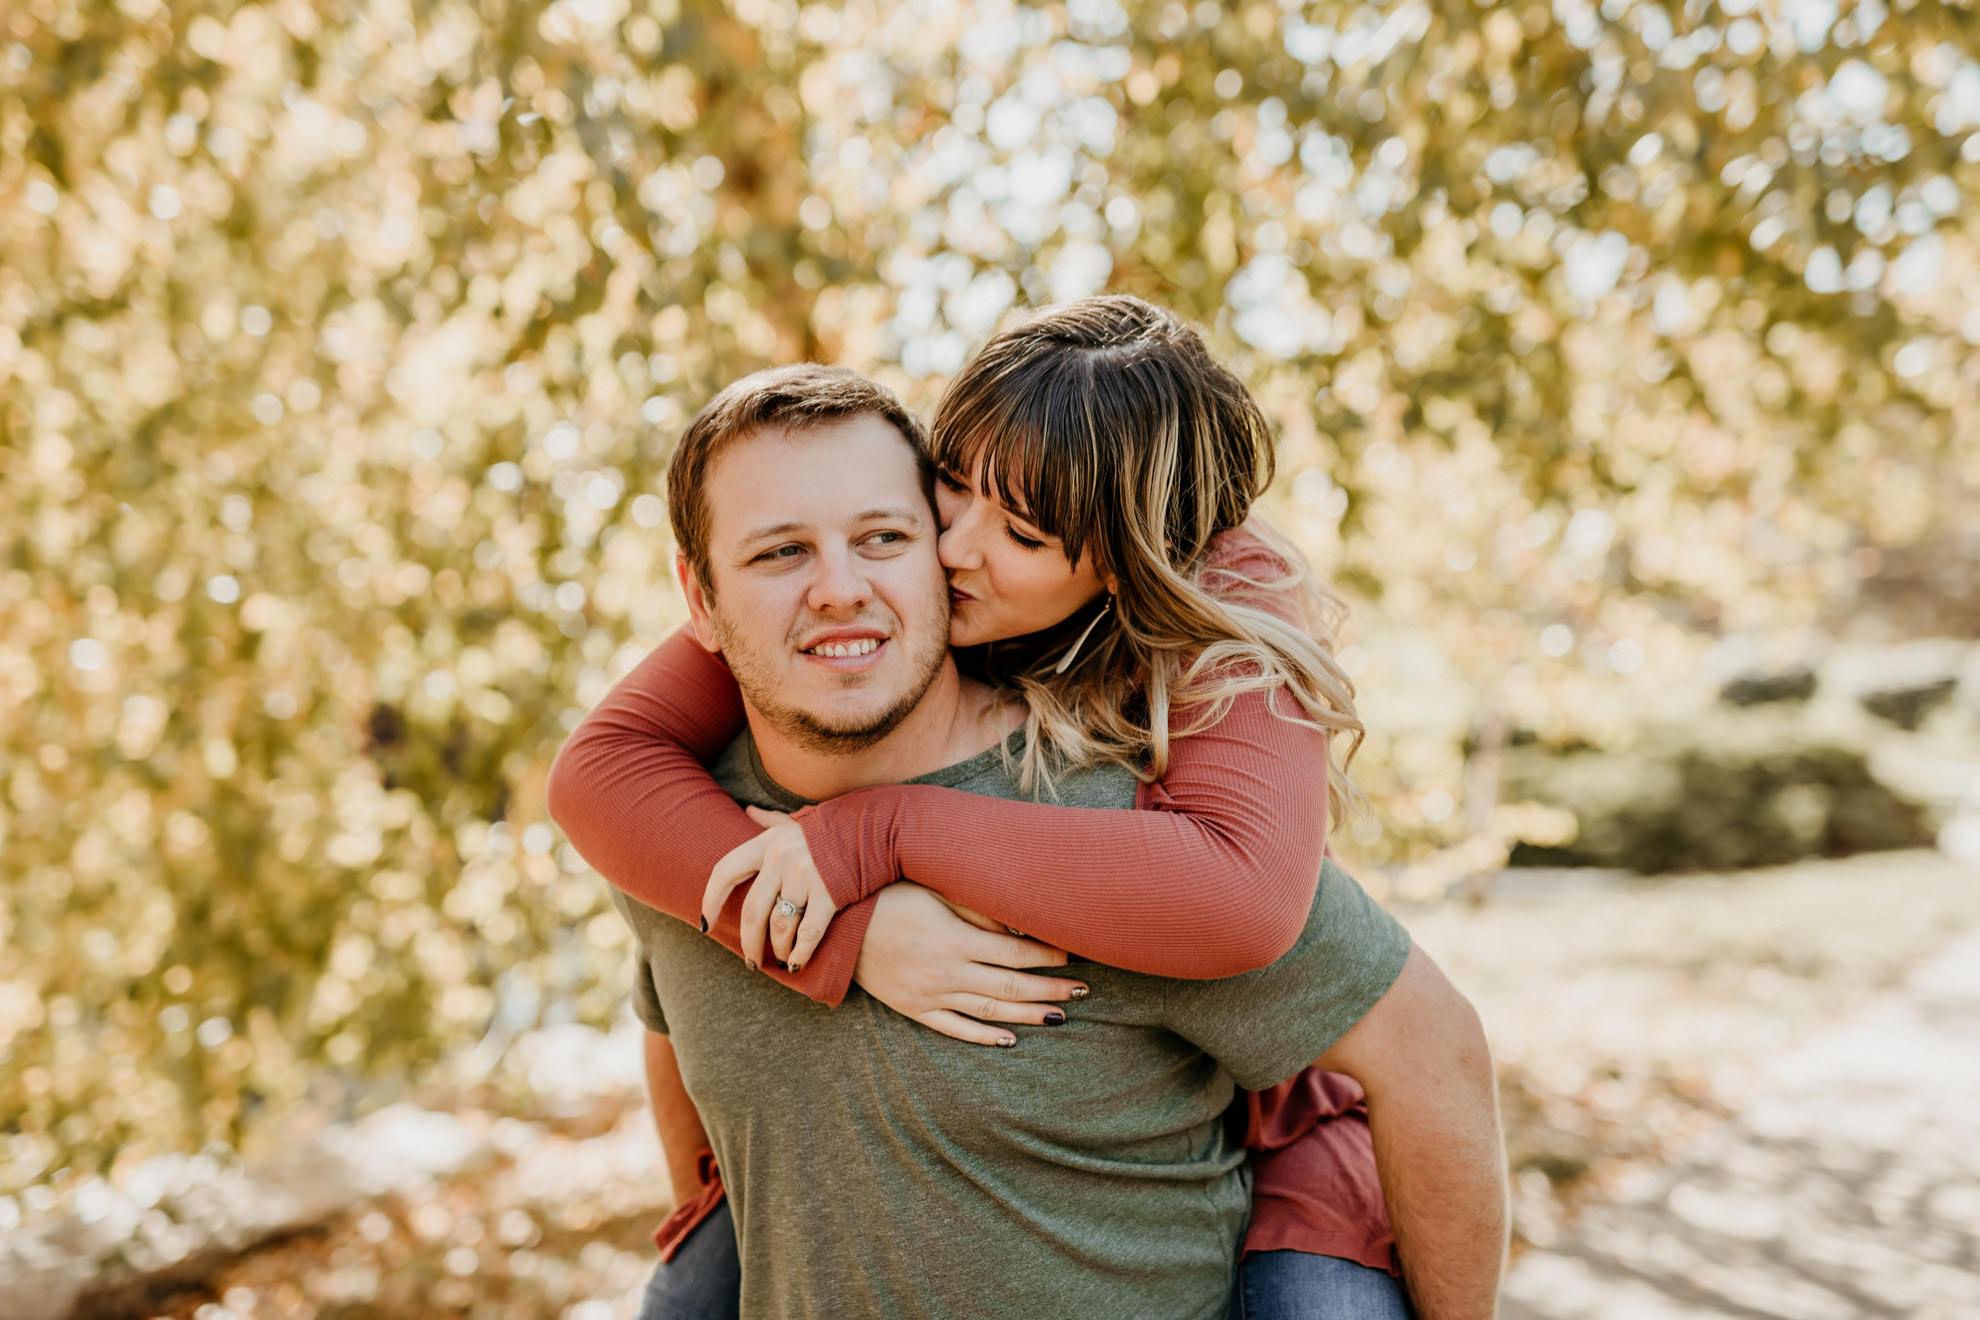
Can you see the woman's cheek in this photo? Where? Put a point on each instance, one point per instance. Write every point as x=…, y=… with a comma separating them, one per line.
x=962, y=629
x=970, y=634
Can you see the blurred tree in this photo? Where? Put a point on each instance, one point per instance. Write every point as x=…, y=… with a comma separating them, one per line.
x=340, y=350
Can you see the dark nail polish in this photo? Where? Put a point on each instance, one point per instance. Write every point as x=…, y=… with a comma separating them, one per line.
x=1080, y=992
x=1005, y=1042
x=796, y=968
x=1054, y=1018
x=704, y=925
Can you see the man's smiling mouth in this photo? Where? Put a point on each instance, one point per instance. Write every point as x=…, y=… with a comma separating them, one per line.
x=845, y=650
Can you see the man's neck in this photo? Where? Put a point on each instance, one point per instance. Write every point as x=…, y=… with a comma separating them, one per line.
x=955, y=719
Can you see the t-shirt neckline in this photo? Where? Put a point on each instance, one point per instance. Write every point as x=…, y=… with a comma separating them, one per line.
x=946, y=777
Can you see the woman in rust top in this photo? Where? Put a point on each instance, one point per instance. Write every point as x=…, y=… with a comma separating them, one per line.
x=1095, y=472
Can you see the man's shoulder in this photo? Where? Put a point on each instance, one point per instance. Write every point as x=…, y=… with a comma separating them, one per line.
x=996, y=773
x=649, y=925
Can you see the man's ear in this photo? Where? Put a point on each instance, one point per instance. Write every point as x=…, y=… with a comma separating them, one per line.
x=697, y=603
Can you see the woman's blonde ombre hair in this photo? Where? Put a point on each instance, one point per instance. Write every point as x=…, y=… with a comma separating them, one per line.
x=1106, y=424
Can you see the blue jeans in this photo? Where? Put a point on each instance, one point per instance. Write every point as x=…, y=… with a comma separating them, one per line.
x=704, y=1282
x=1293, y=1285
x=704, y=1279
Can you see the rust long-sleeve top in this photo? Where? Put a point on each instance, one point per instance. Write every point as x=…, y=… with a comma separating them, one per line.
x=1214, y=879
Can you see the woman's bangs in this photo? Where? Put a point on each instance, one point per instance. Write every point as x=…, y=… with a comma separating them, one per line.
x=1021, y=468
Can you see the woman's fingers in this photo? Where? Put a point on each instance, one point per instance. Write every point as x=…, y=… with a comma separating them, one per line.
x=756, y=919
x=1011, y=950
x=818, y=916
x=784, y=924
x=996, y=994
x=984, y=1008
x=966, y=1029
x=736, y=867
x=990, y=984
x=1047, y=989
x=981, y=921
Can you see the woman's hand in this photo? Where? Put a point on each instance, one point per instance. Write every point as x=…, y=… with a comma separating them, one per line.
x=780, y=861
x=927, y=963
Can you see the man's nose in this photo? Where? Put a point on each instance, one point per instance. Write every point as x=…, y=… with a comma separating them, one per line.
x=839, y=584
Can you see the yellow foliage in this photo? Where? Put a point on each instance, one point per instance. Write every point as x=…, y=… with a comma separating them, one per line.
x=341, y=349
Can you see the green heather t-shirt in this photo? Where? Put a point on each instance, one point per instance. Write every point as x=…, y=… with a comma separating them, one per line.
x=878, y=1168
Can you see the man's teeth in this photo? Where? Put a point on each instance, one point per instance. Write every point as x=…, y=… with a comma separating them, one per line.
x=847, y=650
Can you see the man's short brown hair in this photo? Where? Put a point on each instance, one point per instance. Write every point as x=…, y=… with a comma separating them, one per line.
x=792, y=398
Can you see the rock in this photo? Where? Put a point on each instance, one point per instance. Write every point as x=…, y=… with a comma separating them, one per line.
x=1869, y=747
x=1730, y=790
x=1855, y=670
x=1797, y=684
x=1908, y=707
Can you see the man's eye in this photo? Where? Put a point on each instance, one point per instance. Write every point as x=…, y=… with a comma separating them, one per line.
x=887, y=538
x=781, y=552
x=1021, y=540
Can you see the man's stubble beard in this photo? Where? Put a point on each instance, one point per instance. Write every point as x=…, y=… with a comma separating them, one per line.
x=755, y=678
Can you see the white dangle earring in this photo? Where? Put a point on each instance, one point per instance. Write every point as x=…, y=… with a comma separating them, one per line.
x=1065, y=661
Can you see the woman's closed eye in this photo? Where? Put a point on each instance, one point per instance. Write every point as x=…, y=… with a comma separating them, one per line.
x=1022, y=541
x=955, y=485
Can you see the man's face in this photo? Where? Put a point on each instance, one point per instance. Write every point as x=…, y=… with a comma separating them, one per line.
x=826, y=597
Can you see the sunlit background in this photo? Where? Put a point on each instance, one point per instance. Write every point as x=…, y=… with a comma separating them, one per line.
x=1623, y=356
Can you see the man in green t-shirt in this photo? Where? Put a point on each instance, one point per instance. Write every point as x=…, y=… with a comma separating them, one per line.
x=878, y=1168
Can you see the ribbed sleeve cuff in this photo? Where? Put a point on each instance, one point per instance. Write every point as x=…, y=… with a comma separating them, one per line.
x=829, y=974
x=852, y=842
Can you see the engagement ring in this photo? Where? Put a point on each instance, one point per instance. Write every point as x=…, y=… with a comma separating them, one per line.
x=787, y=909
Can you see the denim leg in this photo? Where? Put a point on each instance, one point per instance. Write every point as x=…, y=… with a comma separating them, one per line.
x=1296, y=1285
x=704, y=1279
